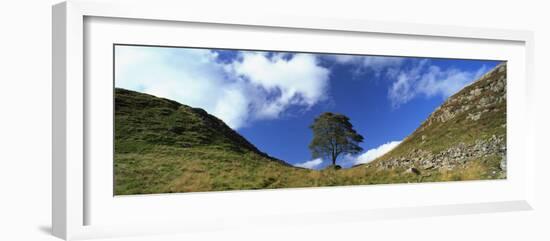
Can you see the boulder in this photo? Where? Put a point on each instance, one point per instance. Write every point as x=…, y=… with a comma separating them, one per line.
x=413, y=170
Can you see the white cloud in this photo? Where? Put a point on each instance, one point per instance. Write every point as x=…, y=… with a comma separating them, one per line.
x=402, y=89
x=254, y=86
x=293, y=79
x=310, y=164
x=429, y=81
x=374, y=153
x=377, y=64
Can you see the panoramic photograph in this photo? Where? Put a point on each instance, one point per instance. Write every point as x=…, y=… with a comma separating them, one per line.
x=211, y=119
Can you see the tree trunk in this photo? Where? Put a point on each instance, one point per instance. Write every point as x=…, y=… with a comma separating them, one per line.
x=334, y=161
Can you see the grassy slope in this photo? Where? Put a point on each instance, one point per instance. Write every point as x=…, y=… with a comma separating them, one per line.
x=162, y=146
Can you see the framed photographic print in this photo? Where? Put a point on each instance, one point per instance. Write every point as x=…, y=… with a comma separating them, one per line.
x=203, y=119
x=206, y=122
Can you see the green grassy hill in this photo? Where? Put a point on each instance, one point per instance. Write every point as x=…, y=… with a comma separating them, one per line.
x=162, y=146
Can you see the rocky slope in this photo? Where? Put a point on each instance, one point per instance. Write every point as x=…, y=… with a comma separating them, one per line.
x=468, y=129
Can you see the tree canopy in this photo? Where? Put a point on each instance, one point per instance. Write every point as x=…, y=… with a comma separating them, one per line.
x=333, y=135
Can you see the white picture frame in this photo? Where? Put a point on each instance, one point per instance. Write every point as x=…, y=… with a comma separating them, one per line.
x=72, y=190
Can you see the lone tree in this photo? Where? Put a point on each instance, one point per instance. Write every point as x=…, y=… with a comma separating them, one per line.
x=333, y=135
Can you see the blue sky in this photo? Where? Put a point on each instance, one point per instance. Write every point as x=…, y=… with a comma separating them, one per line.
x=271, y=98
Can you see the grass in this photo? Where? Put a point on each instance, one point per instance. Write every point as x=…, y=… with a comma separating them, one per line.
x=170, y=169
